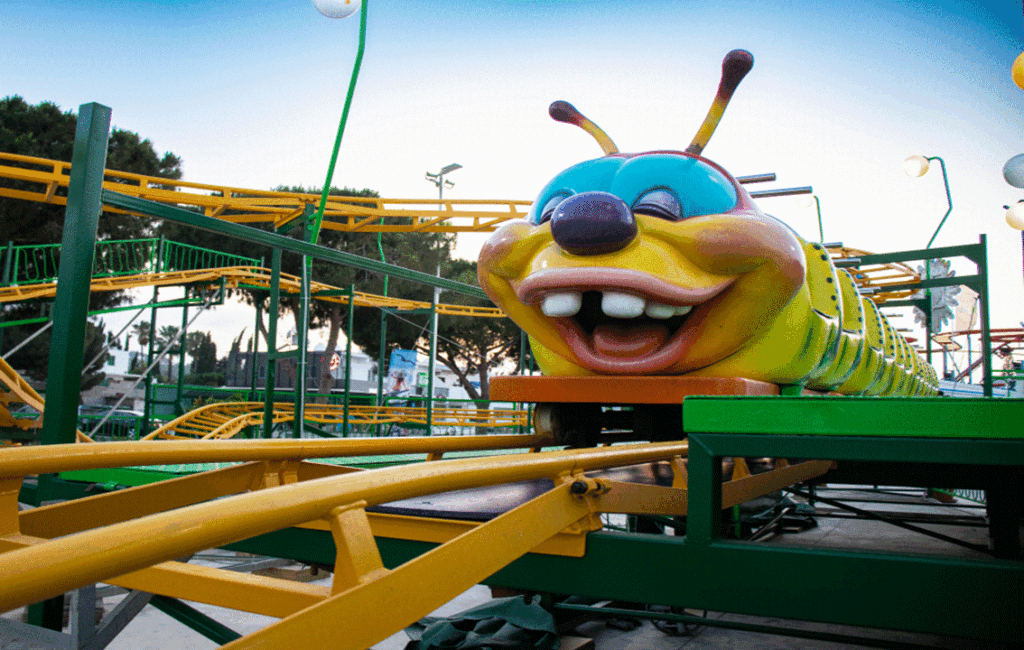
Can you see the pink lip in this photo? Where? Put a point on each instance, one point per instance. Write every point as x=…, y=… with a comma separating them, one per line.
x=532, y=289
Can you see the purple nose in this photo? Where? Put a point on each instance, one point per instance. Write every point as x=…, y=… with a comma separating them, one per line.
x=593, y=223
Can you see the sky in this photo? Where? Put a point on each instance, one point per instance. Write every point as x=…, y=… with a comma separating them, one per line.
x=249, y=94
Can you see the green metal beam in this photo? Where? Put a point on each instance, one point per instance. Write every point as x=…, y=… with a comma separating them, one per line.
x=939, y=417
x=194, y=619
x=901, y=592
x=288, y=244
x=71, y=306
x=969, y=251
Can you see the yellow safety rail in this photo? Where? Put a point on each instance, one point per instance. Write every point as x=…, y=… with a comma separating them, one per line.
x=15, y=390
x=246, y=276
x=879, y=276
x=241, y=205
x=227, y=419
x=346, y=214
x=131, y=537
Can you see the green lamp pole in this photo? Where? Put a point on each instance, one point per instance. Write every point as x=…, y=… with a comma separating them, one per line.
x=915, y=167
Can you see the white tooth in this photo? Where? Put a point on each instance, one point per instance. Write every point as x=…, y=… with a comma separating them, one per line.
x=680, y=311
x=622, y=305
x=660, y=311
x=560, y=305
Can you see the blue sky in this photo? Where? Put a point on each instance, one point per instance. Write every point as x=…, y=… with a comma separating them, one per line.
x=249, y=94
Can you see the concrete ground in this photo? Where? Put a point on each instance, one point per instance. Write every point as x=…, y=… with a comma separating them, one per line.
x=153, y=630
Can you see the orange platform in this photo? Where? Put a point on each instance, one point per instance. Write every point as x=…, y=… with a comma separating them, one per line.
x=615, y=389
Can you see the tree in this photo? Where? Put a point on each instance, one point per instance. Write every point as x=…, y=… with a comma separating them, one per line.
x=418, y=251
x=472, y=345
x=141, y=332
x=44, y=131
x=203, y=351
x=33, y=359
x=168, y=335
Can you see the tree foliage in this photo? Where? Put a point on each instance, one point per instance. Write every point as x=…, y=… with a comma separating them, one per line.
x=44, y=131
x=472, y=345
x=33, y=360
x=203, y=351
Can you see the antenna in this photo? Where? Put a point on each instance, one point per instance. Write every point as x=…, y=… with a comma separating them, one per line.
x=565, y=112
x=735, y=66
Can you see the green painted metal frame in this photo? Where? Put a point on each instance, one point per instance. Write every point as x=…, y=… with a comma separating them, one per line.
x=976, y=253
x=287, y=244
x=71, y=305
x=194, y=619
x=865, y=588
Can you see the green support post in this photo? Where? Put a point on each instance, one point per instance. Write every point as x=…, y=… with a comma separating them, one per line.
x=380, y=362
x=302, y=331
x=430, y=364
x=71, y=305
x=345, y=427
x=275, y=297
x=986, y=332
x=147, y=408
x=704, y=498
x=255, y=353
x=180, y=391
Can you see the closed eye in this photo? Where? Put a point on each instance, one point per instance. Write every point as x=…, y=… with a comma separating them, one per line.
x=659, y=203
x=549, y=207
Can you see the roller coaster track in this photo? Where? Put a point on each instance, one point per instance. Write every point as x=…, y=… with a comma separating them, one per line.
x=240, y=205
x=344, y=214
x=15, y=390
x=227, y=419
x=132, y=537
x=243, y=276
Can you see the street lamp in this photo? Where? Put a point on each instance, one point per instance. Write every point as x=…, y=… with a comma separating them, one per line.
x=440, y=182
x=917, y=166
x=812, y=199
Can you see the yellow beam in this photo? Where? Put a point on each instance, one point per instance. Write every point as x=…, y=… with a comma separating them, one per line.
x=389, y=601
x=48, y=459
x=60, y=565
x=240, y=591
x=241, y=205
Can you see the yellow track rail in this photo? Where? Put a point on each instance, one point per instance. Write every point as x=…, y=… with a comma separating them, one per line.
x=227, y=419
x=15, y=390
x=240, y=205
x=132, y=537
x=879, y=276
x=344, y=214
x=246, y=276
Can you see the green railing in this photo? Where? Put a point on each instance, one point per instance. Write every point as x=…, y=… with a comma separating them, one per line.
x=36, y=264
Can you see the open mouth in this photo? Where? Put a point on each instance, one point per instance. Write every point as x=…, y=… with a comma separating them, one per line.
x=618, y=324
x=633, y=323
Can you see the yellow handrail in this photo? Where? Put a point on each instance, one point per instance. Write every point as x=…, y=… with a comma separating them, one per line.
x=53, y=567
x=346, y=214
x=48, y=459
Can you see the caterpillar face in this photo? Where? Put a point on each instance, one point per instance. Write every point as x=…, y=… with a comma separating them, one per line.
x=655, y=263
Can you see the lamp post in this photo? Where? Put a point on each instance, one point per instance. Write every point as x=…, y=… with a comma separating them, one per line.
x=817, y=206
x=915, y=167
x=440, y=182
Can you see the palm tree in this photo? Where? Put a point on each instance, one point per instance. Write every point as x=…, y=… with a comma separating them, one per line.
x=141, y=332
